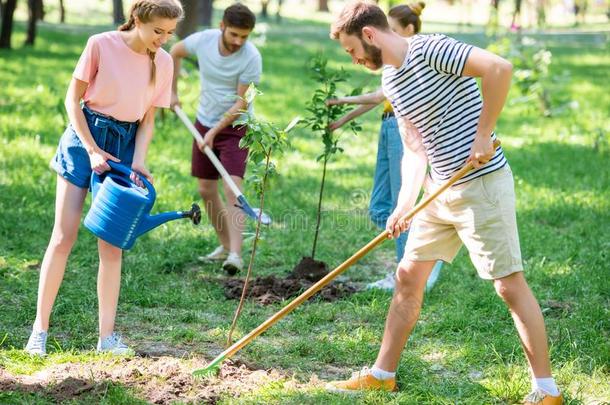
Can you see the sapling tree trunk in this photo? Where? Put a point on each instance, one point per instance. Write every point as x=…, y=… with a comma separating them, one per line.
x=319, y=213
x=252, y=255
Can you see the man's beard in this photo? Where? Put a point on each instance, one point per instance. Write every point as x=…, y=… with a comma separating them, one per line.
x=229, y=47
x=372, y=55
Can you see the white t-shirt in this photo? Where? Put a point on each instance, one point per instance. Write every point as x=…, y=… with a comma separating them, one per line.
x=220, y=75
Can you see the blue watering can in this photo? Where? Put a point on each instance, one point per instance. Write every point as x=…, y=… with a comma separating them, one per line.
x=120, y=209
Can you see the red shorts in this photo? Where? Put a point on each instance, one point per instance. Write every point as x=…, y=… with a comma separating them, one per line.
x=226, y=147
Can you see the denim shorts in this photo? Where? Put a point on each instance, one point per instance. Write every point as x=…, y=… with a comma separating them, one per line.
x=71, y=161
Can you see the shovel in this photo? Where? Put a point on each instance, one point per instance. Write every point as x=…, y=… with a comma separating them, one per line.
x=226, y=177
x=214, y=366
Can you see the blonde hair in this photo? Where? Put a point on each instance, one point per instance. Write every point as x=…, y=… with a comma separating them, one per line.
x=408, y=15
x=145, y=11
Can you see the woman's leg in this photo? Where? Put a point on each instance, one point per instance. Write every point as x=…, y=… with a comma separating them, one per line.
x=68, y=209
x=108, y=285
x=394, y=156
x=380, y=206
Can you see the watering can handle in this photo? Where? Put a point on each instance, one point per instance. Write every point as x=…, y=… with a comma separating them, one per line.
x=126, y=171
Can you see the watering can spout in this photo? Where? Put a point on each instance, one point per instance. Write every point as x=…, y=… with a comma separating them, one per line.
x=153, y=221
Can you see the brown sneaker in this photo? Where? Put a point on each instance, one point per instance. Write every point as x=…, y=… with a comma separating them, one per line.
x=362, y=380
x=539, y=397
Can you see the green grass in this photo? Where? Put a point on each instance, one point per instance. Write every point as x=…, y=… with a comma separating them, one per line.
x=464, y=349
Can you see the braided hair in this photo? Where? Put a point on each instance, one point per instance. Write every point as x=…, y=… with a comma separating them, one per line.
x=145, y=11
x=408, y=15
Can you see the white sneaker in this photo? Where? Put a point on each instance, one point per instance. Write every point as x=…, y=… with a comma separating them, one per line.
x=219, y=254
x=233, y=264
x=113, y=344
x=387, y=283
x=37, y=343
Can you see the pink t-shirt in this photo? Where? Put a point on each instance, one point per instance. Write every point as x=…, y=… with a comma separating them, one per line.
x=119, y=78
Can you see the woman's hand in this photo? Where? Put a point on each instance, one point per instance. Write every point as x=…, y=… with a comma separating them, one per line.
x=336, y=124
x=334, y=101
x=139, y=169
x=98, y=158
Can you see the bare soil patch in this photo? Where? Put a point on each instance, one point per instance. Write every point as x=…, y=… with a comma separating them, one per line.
x=160, y=380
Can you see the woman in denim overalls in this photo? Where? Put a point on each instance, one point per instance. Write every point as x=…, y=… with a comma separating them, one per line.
x=405, y=21
x=121, y=78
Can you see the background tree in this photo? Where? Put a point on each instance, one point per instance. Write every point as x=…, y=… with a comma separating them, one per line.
x=62, y=12
x=206, y=11
x=195, y=13
x=118, y=16
x=265, y=10
x=35, y=13
x=8, y=11
x=322, y=5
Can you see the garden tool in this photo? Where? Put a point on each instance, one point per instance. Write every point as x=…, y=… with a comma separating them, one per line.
x=214, y=366
x=120, y=209
x=226, y=177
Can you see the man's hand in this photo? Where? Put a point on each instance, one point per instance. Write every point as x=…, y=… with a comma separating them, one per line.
x=208, y=139
x=98, y=158
x=482, y=151
x=394, y=226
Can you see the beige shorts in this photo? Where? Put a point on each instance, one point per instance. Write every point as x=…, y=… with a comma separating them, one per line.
x=481, y=215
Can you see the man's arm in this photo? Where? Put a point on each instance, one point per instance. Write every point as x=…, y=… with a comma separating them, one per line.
x=229, y=117
x=178, y=52
x=495, y=73
x=413, y=172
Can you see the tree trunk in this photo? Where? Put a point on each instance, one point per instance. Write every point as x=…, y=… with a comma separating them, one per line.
x=322, y=5
x=32, y=18
x=62, y=12
x=39, y=10
x=8, y=10
x=206, y=11
x=117, y=12
x=278, y=16
x=319, y=216
x=189, y=24
x=264, y=6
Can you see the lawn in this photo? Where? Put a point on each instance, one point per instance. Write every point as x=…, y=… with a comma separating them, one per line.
x=172, y=309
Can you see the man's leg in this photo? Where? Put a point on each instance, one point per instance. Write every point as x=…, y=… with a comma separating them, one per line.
x=404, y=311
x=216, y=210
x=528, y=320
x=235, y=217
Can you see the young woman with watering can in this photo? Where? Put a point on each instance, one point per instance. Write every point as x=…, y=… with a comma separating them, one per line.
x=121, y=78
x=405, y=21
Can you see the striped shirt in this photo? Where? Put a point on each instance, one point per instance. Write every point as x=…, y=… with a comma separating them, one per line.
x=430, y=93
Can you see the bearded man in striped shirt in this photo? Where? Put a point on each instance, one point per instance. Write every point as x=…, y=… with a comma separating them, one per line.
x=445, y=121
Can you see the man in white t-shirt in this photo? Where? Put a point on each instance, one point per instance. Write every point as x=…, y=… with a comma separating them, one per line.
x=228, y=63
x=445, y=121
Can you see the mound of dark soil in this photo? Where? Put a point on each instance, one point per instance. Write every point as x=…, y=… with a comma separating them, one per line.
x=270, y=289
